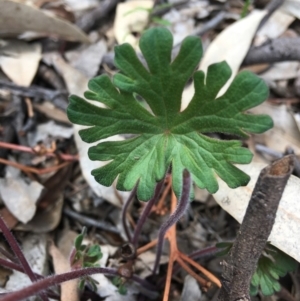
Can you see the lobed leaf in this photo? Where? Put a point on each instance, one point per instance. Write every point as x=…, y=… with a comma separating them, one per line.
x=164, y=136
x=272, y=265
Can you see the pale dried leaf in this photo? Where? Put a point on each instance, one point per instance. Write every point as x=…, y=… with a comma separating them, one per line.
x=276, y=25
x=231, y=45
x=20, y=60
x=181, y=26
x=46, y=220
x=76, y=5
x=131, y=18
x=19, y=197
x=17, y=18
x=292, y=7
x=286, y=230
x=285, y=132
x=191, y=290
x=69, y=289
x=88, y=59
x=52, y=112
x=281, y=71
x=49, y=129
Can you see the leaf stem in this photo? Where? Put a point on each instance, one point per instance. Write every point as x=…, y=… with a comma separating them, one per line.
x=175, y=217
x=18, y=252
x=146, y=212
x=125, y=209
x=45, y=283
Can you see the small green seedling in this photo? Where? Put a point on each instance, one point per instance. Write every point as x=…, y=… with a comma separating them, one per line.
x=164, y=135
x=272, y=265
x=84, y=256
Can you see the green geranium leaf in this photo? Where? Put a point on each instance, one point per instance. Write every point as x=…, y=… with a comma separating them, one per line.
x=272, y=265
x=165, y=136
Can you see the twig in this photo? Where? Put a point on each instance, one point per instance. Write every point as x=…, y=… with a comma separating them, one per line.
x=27, y=149
x=158, y=12
x=278, y=50
x=252, y=237
x=89, y=20
x=211, y=24
x=146, y=212
x=32, y=91
x=174, y=218
x=19, y=254
x=7, y=254
x=90, y=222
x=60, y=278
x=13, y=266
x=271, y=8
x=32, y=169
x=125, y=210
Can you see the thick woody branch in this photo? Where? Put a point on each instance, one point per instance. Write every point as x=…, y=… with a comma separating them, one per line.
x=278, y=50
x=252, y=237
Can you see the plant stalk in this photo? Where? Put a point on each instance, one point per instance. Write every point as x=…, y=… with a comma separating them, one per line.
x=18, y=252
x=175, y=217
x=125, y=210
x=45, y=283
x=146, y=212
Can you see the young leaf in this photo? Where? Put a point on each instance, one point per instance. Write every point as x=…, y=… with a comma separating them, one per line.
x=78, y=241
x=165, y=136
x=272, y=265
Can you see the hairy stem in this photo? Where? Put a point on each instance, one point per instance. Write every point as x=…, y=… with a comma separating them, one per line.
x=18, y=252
x=252, y=237
x=146, y=212
x=124, y=212
x=45, y=283
x=175, y=217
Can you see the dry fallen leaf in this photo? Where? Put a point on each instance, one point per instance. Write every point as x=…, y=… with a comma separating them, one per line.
x=52, y=112
x=191, y=290
x=286, y=230
x=88, y=59
x=49, y=129
x=292, y=7
x=231, y=45
x=285, y=132
x=131, y=16
x=276, y=25
x=281, y=71
x=17, y=18
x=45, y=220
x=20, y=60
x=18, y=196
x=69, y=289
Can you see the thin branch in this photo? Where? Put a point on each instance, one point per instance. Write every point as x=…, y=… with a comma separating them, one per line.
x=278, y=50
x=45, y=283
x=27, y=149
x=146, y=212
x=33, y=169
x=90, y=221
x=252, y=237
x=271, y=8
x=175, y=217
x=92, y=18
x=19, y=254
x=125, y=210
